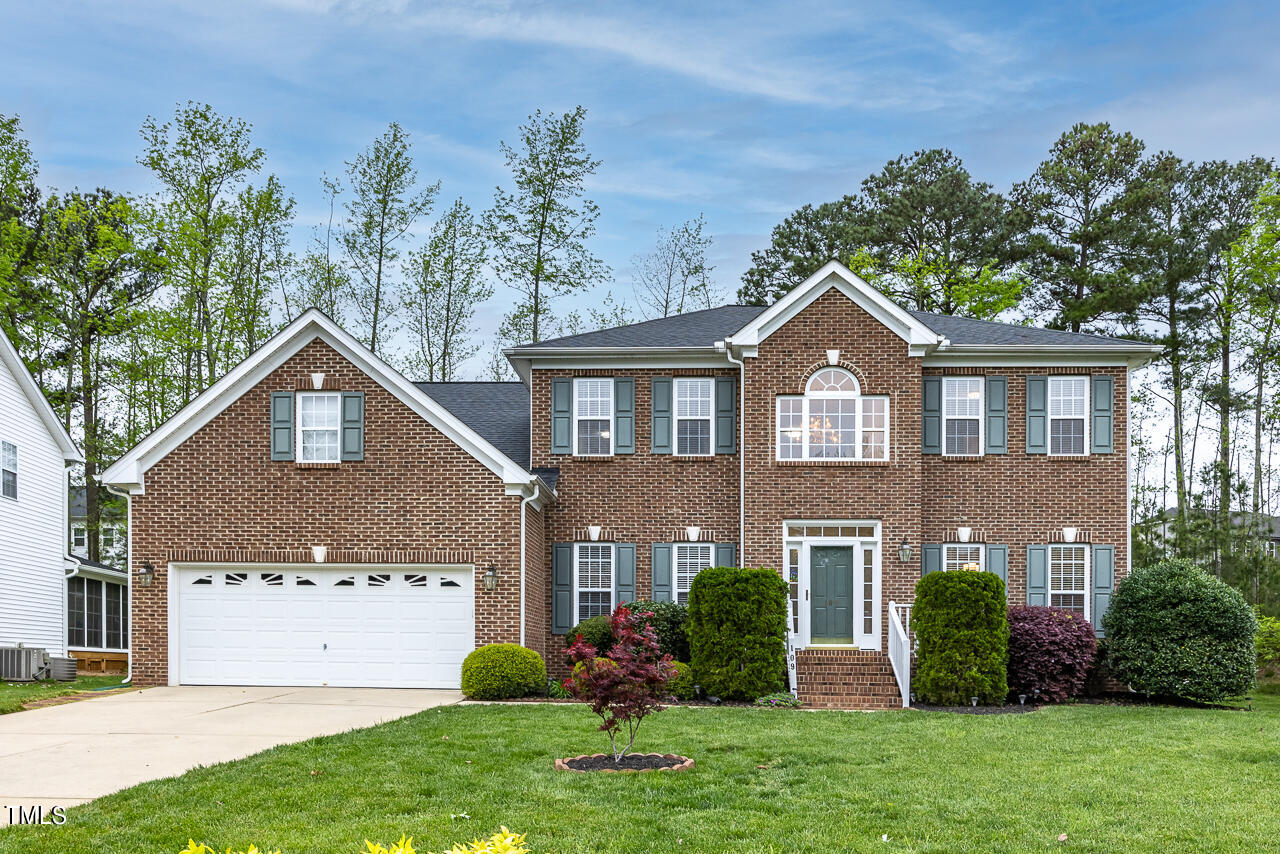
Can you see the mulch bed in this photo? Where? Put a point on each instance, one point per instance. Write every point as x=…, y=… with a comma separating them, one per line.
x=632, y=762
x=1015, y=709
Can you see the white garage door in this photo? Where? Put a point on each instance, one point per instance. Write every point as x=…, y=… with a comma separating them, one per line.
x=377, y=627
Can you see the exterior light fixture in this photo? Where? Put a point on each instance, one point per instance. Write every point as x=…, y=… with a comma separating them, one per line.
x=904, y=551
x=963, y=534
x=1068, y=535
x=593, y=532
x=491, y=578
x=693, y=532
x=147, y=575
x=319, y=553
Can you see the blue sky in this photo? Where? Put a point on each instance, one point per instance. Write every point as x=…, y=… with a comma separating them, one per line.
x=739, y=112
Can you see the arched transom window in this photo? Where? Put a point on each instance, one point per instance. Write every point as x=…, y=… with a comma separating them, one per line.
x=833, y=419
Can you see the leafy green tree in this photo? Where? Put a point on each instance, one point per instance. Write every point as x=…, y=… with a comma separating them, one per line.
x=320, y=279
x=800, y=245
x=1071, y=210
x=258, y=262
x=675, y=277
x=21, y=307
x=446, y=281
x=384, y=205
x=539, y=230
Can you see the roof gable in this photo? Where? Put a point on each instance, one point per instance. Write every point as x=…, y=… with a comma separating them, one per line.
x=18, y=369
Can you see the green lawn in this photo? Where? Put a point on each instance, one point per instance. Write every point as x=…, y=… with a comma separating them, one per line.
x=1111, y=778
x=14, y=694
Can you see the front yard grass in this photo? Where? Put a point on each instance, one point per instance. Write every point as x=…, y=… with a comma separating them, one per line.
x=14, y=694
x=1112, y=778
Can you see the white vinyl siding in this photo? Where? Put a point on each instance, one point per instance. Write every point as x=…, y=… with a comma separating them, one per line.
x=694, y=421
x=1069, y=578
x=832, y=420
x=1068, y=416
x=691, y=558
x=962, y=555
x=962, y=416
x=593, y=417
x=318, y=421
x=592, y=580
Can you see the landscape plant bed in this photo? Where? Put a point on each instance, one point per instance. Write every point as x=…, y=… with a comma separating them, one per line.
x=1007, y=709
x=631, y=763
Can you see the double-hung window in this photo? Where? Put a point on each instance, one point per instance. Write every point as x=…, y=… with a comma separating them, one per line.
x=108, y=536
x=832, y=420
x=962, y=416
x=694, y=421
x=1069, y=578
x=691, y=558
x=9, y=470
x=962, y=556
x=318, y=422
x=79, y=538
x=1068, y=416
x=593, y=580
x=593, y=417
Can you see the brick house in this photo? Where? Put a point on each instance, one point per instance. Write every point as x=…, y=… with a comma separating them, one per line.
x=317, y=518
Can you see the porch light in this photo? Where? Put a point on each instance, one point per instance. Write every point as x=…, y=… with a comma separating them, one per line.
x=146, y=575
x=904, y=551
x=693, y=532
x=963, y=534
x=593, y=532
x=491, y=578
x=1068, y=535
x=319, y=553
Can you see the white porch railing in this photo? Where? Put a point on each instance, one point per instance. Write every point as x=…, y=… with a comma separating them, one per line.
x=900, y=648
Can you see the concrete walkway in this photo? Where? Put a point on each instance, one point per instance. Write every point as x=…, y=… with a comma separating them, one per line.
x=67, y=755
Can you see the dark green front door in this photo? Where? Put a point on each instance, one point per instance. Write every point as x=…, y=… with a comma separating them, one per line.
x=831, y=594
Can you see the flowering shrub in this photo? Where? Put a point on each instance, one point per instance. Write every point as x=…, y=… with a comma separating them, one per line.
x=1050, y=651
x=626, y=687
x=780, y=700
x=502, y=842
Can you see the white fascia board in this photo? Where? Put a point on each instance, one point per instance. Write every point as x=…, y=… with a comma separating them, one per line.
x=1059, y=355
x=40, y=403
x=128, y=472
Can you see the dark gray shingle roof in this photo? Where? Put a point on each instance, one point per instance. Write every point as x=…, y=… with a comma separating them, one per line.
x=965, y=330
x=692, y=329
x=498, y=411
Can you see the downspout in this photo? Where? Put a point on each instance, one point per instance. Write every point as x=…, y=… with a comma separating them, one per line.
x=537, y=488
x=742, y=450
x=128, y=572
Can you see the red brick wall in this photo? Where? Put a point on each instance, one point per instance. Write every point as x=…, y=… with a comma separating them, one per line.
x=218, y=496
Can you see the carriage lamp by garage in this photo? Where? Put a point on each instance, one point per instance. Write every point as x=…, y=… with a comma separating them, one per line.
x=491, y=578
x=146, y=575
x=904, y=551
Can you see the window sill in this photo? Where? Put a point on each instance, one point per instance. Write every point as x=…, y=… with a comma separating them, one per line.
x=592, y=458
x=826, y=463
x=696, y=458
x=318, y=465
x=964, y=458
x=1068, y=458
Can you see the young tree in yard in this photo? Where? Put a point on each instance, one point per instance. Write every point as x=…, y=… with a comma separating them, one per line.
x=800, y=245
x=445, y=284
x=540, y=229
x=675, y=277
x=320, y=280
x=1072, y=209
x=384, y=205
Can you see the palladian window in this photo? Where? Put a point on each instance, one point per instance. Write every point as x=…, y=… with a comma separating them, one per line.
x=833, y=420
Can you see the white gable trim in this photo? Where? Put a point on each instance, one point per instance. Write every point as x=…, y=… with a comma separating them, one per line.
x=127, y=473
x=9, y=355
x=836, y=275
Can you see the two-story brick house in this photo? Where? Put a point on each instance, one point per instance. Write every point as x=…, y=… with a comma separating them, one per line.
x=316, y=518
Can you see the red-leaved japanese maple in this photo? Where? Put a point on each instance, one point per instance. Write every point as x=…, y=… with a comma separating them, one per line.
x=628, y=685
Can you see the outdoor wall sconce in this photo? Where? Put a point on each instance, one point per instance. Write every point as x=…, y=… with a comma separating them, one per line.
x=904, y=551
x=1068, y=535
x=147, y=575
x=491, y=578
x=693, y=532
x=319, y=553
x=593, y=532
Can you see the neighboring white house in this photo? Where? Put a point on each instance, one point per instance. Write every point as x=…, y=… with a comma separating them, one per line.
x=35, y=451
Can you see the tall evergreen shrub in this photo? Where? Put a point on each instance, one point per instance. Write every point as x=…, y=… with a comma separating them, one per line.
x=737, y=631
x=961, y=624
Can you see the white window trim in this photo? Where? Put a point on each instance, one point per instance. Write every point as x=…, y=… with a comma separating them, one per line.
x=675, y=568
x=856, y=396
x=861, y=641
x=982, y=411
x=982, y=553
x=1088, y=576
x=613, y=411
x=298, y=430
x=124, y=605
x=1050, y=418
x=84, y=534
x=676, y=418
x=613, y=578
x=13, y=445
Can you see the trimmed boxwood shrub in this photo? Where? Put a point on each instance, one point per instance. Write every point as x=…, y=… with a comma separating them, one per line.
x=669, y=620
x=595, y=631
x=500, y=671
x=1050, y=651
x=1173, y=630
x=681, y=685
x=737, y=631
x=961, y=623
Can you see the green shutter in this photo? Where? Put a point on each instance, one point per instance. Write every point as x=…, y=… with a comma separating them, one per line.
x=997, y=428
x=660, y=416
x=1104, y=583
x=562, y=415
x=1037, y=575
x=624, y=415
x=281, y=425
x=561, y=588
x=998, y=562
x=726, y=415
x=726, y=554
x=930, y=559
x=624, y=573
x=663, y=580
x=1037, y=415
x=352, y=425
x=1102, y=427
x=931, y=432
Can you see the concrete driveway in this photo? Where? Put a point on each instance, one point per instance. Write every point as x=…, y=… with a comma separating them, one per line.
x=70, y=754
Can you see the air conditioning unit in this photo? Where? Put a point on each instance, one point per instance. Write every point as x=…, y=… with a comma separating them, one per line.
x=23, y=664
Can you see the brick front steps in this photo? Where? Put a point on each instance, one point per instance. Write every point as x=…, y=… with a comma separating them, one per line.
x=846, y=679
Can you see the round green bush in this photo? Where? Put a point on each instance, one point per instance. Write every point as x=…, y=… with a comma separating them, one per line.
x=737, y=632
x=596, y=631
x=500, y=671
x=1173, y=630
x=681, y=685
x=668, y=622
x=962, y=626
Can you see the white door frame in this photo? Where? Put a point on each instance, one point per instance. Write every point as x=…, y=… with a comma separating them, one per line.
x=862, y=640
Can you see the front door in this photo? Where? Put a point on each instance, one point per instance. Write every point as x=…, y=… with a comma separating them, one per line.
x=831, y=594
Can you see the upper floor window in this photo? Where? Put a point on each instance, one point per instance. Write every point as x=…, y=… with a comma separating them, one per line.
x=691, y=558
x=1068, y=415
x=593, y=417
x=962, y=416
x=79, y=538
x=833, y=420
x=318, y=424
x=694, y=421
x=9, y=470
